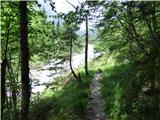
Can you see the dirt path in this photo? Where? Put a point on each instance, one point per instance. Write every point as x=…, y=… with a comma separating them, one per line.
x=96, y=105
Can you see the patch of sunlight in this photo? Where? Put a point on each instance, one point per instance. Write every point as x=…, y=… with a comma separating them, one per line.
x=111, y=61
x=47, y=93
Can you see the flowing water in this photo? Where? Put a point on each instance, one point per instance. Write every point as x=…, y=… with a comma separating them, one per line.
x=46, y=74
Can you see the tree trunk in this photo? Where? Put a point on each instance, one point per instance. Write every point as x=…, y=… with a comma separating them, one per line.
x=3, y=70
x=24, y=61
x=13, y=89
x=86, y=48
x=3, y=82
x=70, y=60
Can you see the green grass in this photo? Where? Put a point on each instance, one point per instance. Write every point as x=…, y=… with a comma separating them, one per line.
x=68, y=102
x=122, y=89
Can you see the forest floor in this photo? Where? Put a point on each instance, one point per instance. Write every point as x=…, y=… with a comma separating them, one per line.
x=96, y=105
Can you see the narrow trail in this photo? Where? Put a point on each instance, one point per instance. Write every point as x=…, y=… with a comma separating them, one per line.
x=96, y=104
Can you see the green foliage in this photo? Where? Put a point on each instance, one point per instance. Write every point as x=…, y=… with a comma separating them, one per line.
x=68, y=102
x=130, y=85
x=123, y=89
x=128, y=33
x=125, y=27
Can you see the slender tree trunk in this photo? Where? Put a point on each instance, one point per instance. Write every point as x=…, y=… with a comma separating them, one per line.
x=86, y=48
x=70, y=60
x=3, y=70
x=13, y=89
x=3, y=82
x=24, y=61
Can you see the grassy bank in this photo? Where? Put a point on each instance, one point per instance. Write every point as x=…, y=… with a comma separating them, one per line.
x=126, y=90
x=125, y=87
x=65, y=99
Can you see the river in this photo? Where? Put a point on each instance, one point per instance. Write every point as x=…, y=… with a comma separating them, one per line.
x=46, y=74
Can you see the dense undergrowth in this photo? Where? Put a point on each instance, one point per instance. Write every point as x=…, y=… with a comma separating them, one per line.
x=126, y=90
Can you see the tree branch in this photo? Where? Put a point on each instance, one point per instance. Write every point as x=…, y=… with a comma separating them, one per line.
x=71, y=4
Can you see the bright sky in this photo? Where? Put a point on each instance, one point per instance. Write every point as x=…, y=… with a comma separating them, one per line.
x=61, y=6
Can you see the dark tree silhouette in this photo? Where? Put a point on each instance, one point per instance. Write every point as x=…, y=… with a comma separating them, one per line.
x=24, y=61
x=86, y=47
x=70, y=60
